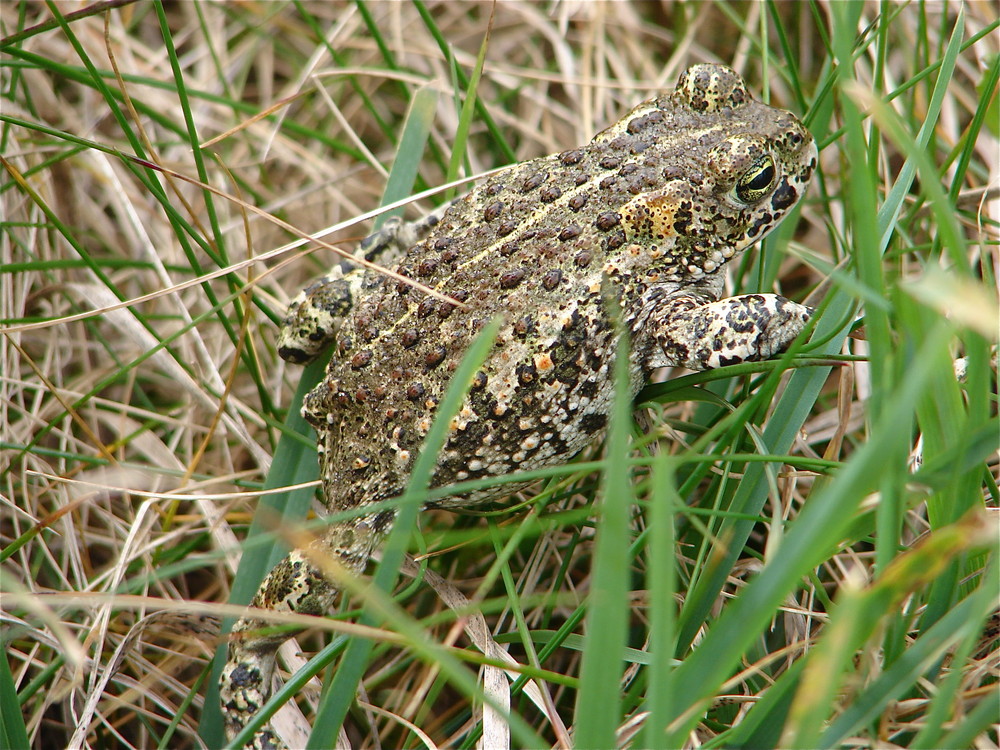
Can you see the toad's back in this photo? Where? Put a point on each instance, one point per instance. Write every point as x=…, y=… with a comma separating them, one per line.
x=648, y=208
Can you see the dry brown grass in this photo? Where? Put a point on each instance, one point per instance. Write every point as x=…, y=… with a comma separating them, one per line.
x=140, y=392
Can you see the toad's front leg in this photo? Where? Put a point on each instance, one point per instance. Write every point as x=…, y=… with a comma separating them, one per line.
x=689, y=332
x=315, y=315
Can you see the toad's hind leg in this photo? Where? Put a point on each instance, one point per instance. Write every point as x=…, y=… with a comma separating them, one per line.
x=302, y=583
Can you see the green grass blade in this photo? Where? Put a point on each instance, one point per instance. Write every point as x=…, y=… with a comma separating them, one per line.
x=765, y=722
x=482, y=111
x=662, y=551
x=406, y=165
x=13, y=733
x=964, y=621
x=857, y=617
x=974, y=723
x=598, y=704
x=814, y=534
x=890, y=209
x=466, y=116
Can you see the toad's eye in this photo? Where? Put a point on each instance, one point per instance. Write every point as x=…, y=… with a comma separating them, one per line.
x=756, y=181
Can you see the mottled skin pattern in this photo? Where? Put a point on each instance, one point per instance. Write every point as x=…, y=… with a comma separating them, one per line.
x=651, y=210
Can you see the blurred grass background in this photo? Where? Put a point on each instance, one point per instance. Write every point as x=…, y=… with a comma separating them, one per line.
x=796, y=555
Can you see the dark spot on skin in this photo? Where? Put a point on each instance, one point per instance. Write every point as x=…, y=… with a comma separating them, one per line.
x=426, y=307
x=526, y=374
x=569, y=233
x=583, y=258
x=492, y=211
x=293, y=354
x=574, y=321
x=636, y=124
x=547, y=250
x=549, y=194
x=445, y=309
x=415, y=391
x=479, y=381
x=511, y=279
x=532, y=182
x=608, y=220
x=507, y=249
x=615, y=241
x=506, y=226
x=573, y=156
x=551, y=279
x=427, y=267
x=682, y=222
x=242, y=676
x=591, y=423
x=760, y=224
x=578, y=201
x=610, y=162
x=435, y=357
x=524, y=326
x=410, y=338
x=784, y=197
x=361, y=359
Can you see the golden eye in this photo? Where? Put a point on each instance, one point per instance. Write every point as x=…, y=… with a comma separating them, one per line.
x=753, y=184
